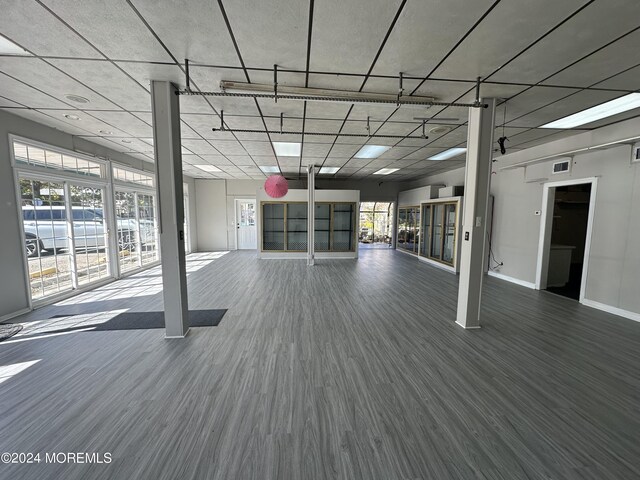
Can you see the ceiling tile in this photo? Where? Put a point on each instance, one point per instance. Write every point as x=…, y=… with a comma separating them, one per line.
x=112, y=27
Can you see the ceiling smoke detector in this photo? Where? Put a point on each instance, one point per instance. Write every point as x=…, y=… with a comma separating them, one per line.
x=71, y=117
x=439, y=130
x=76, y=98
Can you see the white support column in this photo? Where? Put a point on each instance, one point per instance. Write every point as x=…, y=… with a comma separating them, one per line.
x=474, y=221
x=166, y=142
x=311, y=214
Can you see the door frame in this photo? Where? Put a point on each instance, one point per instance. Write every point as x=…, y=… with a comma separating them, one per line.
x=236, y=210
x=546, y=223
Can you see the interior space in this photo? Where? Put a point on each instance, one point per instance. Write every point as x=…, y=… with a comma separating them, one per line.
x=320, y=240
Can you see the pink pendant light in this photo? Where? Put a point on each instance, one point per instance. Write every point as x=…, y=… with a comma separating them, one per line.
x=276, y=186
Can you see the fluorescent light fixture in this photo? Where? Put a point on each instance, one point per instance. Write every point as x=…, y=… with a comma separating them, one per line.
x=371, y=151
x=452, y=152
x=269, y=169
x=604, y=110
x=208, y=168
x=287, y=149
x=328, y=170
x=386, y=171
x=7, y=47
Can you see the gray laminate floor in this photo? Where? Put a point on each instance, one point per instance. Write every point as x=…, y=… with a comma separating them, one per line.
x=349, y=370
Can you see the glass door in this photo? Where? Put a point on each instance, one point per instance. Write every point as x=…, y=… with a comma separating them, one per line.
x=48, y=238
x=449, y=233
x=436, y=243
x=128, y=242
x=89, y=233
x=426, y=230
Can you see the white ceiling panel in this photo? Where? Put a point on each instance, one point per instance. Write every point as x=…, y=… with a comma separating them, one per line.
x=112, y=27
x=346, y=37
x=575, y=103
x=199, y=147
x=316, y=149
x=264, y=33
x=601, y=65
x=534, y=98
x=17, y=23
x=192, y=29
x=425, y=32
x=19, y=92
x=485, y=49
x=36, y=72
x=125, y=121
x=109, y=81
x=592, y=28
x=242, y=160
x=48, y=118
x=627, y=80
x=89, y=123
x=227, y=147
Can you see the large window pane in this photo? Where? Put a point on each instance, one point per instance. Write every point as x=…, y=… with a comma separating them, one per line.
x=297, y=226
x=148, y=228
x=322, y=234
x=273, y=226
x=128, y=251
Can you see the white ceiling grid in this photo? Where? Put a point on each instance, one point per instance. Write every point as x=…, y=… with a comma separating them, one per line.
x=547, y=58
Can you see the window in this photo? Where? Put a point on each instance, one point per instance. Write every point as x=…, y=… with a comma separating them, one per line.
x=129, y=176
x=44, y=158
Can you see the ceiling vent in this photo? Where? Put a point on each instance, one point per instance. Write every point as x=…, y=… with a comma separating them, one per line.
x=439, y=130
x=562, y=166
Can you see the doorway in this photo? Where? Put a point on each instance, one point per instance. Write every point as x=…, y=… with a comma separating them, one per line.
x=565, y=237
x=246, y=235
x=376, y=224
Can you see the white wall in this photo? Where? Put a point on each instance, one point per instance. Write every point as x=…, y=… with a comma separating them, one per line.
x=211, y=214
x=614, y=262
x=193, y=221
x=13, y=289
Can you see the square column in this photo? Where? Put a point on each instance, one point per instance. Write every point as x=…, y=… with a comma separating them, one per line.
x=311, y=214
x=475, y=212
x=165, y=107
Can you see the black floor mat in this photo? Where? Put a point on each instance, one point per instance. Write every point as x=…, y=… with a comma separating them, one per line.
x=145, y=320
x=8, y=330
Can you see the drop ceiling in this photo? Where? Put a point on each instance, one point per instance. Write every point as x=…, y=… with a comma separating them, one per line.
x=543, y=60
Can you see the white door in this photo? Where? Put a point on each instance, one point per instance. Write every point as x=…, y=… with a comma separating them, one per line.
x=246, y=236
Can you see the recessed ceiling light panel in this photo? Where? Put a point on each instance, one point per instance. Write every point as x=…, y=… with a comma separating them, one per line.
x=208, y=168
x=452, y=152
x=287, y=149
x=269, y=169
x=604, y=110
x=386, y=171
x=7, y=47
x=328, y=170
x=371, y=151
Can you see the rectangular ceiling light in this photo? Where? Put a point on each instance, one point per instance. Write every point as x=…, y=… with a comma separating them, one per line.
x=386, y=171
x=328, y=170
x=7, y=47
x=208, y=168
x=371, y=151
x=452, y=152
x=287, y=149
x=604, y=110
x=269, y=169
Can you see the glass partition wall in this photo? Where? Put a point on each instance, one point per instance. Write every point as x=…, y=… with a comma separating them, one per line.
x=408, y=229
x=439, y=229
x=284, y=227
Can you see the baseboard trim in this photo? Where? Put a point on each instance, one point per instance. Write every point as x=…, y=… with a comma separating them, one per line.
x=476, y=327
x=507, y=278
x=611, y=309
x=170, y=337
x=439, y=265
x=9, y=316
